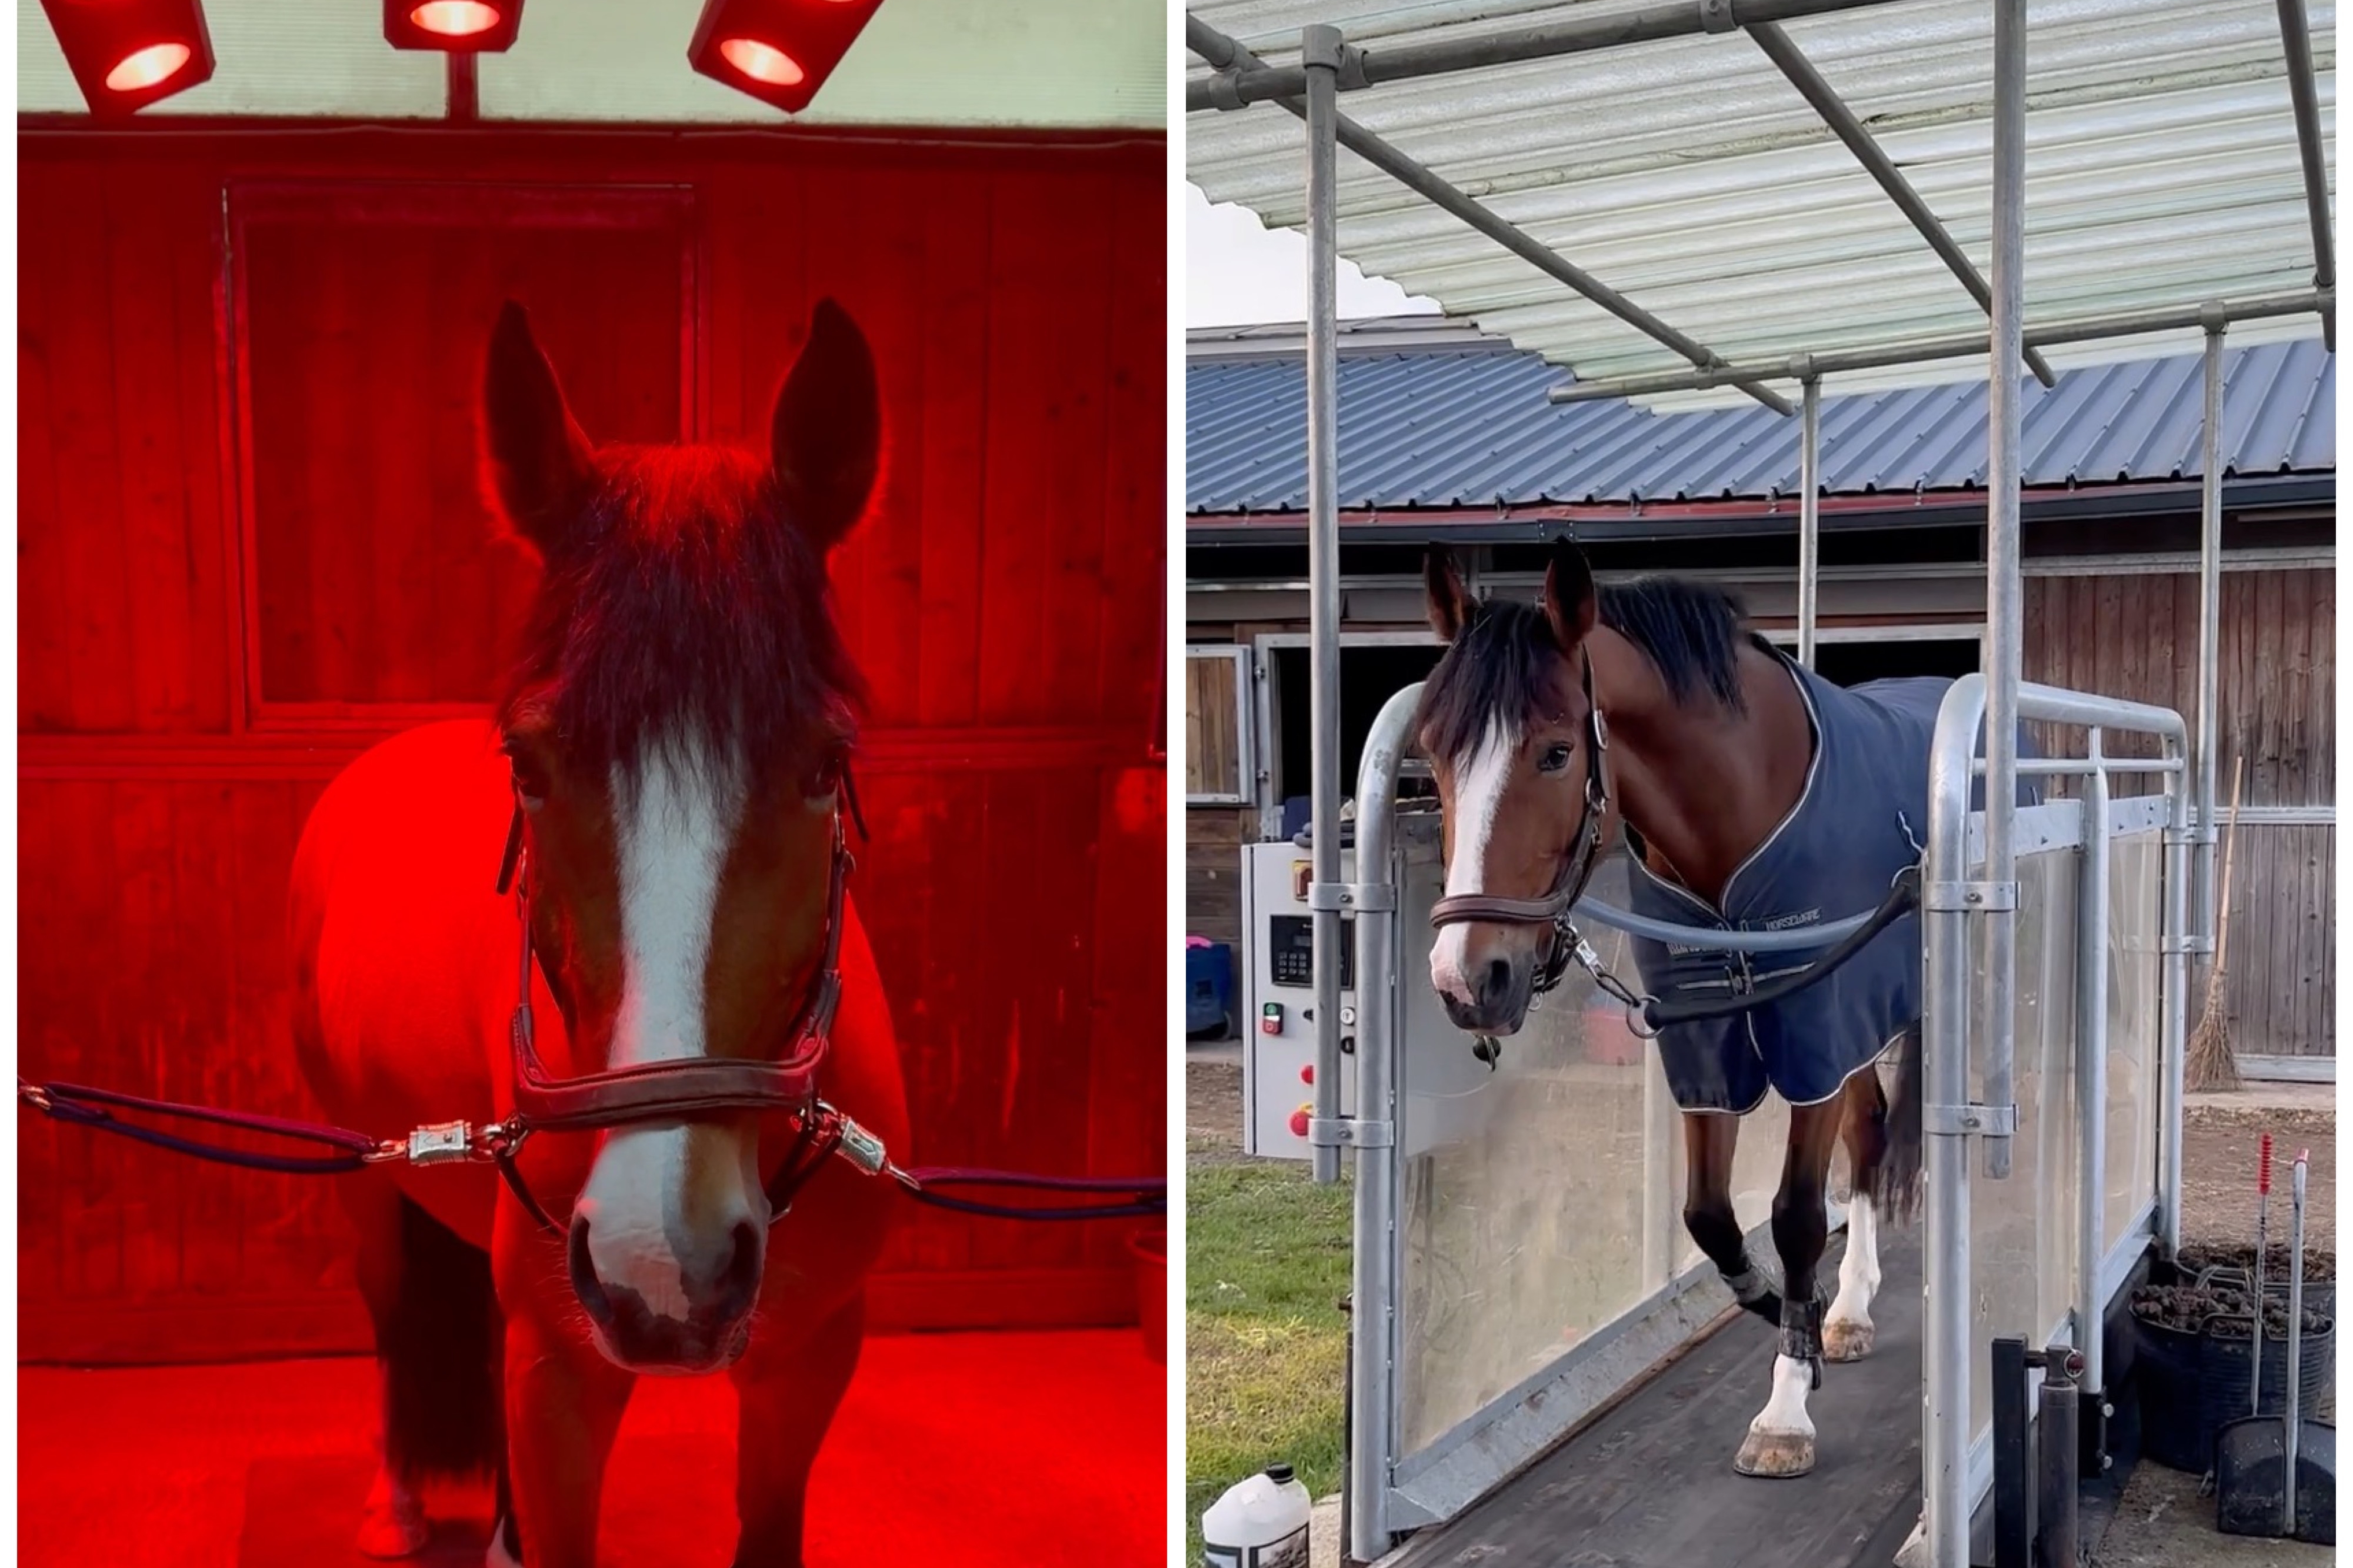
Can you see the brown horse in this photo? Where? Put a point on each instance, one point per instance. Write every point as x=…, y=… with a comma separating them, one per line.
x=673, y=748
x=1651, y=706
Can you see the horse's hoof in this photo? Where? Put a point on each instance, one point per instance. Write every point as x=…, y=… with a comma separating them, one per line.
x=1779, y=1455
x=393, y=1532
x=1844, y=1340
x=496, y=1557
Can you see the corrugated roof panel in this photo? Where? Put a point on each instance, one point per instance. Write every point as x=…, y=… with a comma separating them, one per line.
x=1455, y=428
x=2162, y=169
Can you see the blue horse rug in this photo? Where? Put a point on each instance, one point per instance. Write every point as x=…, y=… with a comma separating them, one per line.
x=1856, y=826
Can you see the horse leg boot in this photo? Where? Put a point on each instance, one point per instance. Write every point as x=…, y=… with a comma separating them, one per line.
x=786, y=1396
x=1709, y=1141
x=564, y=1410
x=1780, y=1441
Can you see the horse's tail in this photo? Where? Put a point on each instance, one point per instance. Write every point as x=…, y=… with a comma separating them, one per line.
x=440, y=1340
x=1893, y=1184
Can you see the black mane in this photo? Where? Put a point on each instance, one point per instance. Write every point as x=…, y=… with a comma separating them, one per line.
x=1502, y=662
x=685, y=608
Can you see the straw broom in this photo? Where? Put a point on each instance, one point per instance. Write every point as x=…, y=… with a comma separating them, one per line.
x=2211, y=1064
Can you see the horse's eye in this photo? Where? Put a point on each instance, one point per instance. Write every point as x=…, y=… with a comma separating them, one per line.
x=819, y=782
x=530, y=775
x=1555, y=759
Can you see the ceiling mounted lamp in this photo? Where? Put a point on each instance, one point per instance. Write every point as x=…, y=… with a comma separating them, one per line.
x=778, y=51
x=453, y=26
x=127, y=54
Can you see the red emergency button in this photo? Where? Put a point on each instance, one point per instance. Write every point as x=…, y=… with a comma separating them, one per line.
x=1307, y=1074
x=1299, y=1121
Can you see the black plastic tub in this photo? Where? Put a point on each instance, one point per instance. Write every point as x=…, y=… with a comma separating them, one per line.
x=2226, y=1355
x=2165, y=1367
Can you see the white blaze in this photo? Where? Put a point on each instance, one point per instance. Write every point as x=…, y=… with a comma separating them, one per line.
x=1478, y=798
x=673, y=826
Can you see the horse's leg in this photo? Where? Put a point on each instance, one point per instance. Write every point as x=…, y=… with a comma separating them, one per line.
x=1847, y=1330
x=1780, y=1441
x=392, y=1520
x=564, y=1404
x=786, y=1398
x=1710, y=1140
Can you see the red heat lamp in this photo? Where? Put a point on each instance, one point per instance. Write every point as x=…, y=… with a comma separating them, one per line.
x=453, y=26
x=127, y=54
x=778, y=51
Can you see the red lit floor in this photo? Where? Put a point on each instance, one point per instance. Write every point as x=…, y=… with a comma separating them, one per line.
x=967, y=1449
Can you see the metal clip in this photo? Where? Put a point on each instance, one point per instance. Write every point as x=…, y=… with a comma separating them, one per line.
x=1959, y=1121
x=1346, y=1133
x=1972, y=896
x=858, y=1146
x=442, y=1143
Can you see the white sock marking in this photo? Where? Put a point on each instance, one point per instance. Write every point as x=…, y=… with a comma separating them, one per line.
x=1859, y=1270
x=1478, y=799
x=672, y=832
x=1784, y=1413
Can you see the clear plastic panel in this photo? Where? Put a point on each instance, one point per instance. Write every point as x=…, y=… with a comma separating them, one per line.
x=2023, y=1229
x=1548, y=1221
x=2135, y=1042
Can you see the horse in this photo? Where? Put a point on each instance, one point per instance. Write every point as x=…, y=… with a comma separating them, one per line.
x=663, y=781
x=1751, y=793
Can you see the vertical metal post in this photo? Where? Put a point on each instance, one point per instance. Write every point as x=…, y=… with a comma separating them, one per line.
x=2058, y=1421
x=2092, y=1076
x=2004, y=620
x=2173, y=1002
x=2209, y=627
x=1324, y=573
x=1376, y=1269
x=1809, y=513
x=1945, y=1289
x=2014, y=1505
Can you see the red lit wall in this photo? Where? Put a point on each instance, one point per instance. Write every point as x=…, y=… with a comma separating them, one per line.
x=251, y=543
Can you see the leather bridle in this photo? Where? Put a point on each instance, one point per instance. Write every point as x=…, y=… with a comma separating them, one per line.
x=698, y=1087
x=1577, y=868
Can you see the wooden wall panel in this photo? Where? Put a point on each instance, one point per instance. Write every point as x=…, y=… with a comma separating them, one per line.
x=185, y=553
x=1214, y=835
x=2136, y=637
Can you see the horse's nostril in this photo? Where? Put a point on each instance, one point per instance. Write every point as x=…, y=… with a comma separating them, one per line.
x=1499, y=978
x=585, y=1283
x=739, y=1281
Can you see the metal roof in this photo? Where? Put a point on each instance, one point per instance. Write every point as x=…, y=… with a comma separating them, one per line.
x=1688, y=173
x=1461, y=422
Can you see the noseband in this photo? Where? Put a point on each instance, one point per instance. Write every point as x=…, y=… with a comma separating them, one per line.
x=1577, y=869
x=701, y=1087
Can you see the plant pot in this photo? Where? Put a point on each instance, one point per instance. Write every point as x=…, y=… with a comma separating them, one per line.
x=2166, y=1364
x=2226, y=1357
x=1149, y=1252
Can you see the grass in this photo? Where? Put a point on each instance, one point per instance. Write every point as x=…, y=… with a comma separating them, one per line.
x=1265, y=1341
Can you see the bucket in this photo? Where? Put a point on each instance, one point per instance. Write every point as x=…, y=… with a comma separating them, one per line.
x=2166, y=1364
x=1209, y=986
x=1260, y=1522
x=2226, y=1358
x=1150, y=1253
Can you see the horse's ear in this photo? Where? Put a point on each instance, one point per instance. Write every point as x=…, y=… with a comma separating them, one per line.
x=826, y=438
x=1570, y=601
x=538, y=464
x=1451, y=605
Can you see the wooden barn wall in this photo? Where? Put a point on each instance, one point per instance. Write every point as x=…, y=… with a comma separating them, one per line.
x=251, y=544
x=2136, y=637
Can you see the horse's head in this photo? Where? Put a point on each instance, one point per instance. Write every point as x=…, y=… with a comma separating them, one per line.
x=1505, y=721
x=677, y=728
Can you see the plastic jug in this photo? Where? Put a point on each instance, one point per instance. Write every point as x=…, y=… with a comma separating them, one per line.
x=1260, y=1522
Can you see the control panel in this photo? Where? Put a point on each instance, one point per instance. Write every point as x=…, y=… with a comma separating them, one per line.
x=1441, y=1079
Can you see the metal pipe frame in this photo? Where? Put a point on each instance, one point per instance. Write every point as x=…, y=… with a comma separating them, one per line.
x=2295, y=43
x=1372, y=1388
x=2092, y=1072
x=1371, y=67
x=1817, y=91
x=1950, y=1117
x=1224, y=52
x=2209, y=635
x=2089, y=328
x=1809, y=513
x=2005, y=620
x=1322, y=47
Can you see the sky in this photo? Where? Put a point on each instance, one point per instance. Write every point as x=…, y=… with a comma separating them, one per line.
x=1237, y=272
